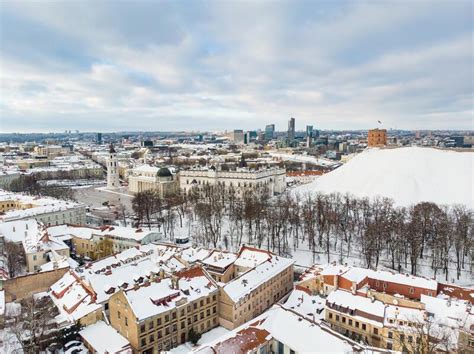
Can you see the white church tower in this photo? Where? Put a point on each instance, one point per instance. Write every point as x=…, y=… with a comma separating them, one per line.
x=112, y=169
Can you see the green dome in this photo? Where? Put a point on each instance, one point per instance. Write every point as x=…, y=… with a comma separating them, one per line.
x=164, y=172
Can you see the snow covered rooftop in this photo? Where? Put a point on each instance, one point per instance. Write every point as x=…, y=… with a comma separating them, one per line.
x=250, y=280
x=450, y=312
x=286, y=326
x=36, y=205
x=105, y=339
x=356, y=302
x=249, y=257
x=407, y=175
x=305, y=304
x=159, y=296
x=192, y=254
x=220, y=259
x=87, y=232
x=18, y=230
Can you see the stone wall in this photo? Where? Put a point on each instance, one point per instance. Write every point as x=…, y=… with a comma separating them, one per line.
x=26, y=285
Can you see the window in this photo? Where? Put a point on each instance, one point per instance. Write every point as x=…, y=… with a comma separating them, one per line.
x=183, y=324
x=337, y=318
x=214, y=309
x=350, y=322
x=195, y=305
x=410, y=339
x=118, y=315
x=173, y=315
x=376, y=331
x=142, y=328
x=159, y=334
x=126, y=321
x=364, y=327
x=330, y=315
x=389, y=346
x=357, y=324
x=158, y=322
x=143, y=342
x=402, y=338
x=390, y=335
x=343, y=320
x=167, y=318
x=412, y=291
x=151, y=338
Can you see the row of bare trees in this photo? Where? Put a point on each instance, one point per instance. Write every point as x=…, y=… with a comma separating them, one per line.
x=334, y=225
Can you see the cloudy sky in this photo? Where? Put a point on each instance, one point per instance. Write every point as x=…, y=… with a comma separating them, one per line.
x=191, y=65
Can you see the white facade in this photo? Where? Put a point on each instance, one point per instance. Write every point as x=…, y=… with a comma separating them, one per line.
x=147, y=177
x=240, y=179
x=49, y=211
x=112, y=170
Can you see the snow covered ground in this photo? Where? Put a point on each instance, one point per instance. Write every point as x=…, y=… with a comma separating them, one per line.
x=407, y=175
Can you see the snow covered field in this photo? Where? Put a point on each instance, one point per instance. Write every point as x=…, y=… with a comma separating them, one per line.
x=407, y=175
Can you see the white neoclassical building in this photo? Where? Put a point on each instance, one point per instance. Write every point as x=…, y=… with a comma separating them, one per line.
x=240, y=178
x=146, y=177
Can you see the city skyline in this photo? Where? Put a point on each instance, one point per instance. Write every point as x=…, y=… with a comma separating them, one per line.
x=173, y=66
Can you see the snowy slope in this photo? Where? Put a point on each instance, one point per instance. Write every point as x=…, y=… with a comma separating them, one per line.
x=407, y=175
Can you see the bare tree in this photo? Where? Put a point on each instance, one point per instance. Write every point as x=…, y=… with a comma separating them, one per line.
x=33, y=323
x=15, y=258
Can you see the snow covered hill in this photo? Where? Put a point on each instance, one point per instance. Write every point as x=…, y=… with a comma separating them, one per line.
x=407, y=175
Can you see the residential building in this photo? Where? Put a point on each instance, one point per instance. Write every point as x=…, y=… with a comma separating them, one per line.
x=262, y=279
x=40, y=247
x=220, y=265
x=103, y=338
x=159, y=314
x=326, y=278
x=95, y=243
x=47, y=210
x=283, y=330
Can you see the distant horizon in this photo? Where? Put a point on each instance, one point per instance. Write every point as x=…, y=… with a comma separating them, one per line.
x=222, y=131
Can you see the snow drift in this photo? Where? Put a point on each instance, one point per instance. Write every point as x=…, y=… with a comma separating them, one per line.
x=407, y=175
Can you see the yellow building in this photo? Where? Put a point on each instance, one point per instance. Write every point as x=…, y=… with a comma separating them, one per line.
x=159, y=314
x=256, y=289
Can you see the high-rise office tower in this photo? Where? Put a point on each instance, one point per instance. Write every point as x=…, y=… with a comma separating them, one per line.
x=269, y=131
x=291, y=130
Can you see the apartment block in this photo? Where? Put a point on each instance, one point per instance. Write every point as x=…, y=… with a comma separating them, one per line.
x=159, y=314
